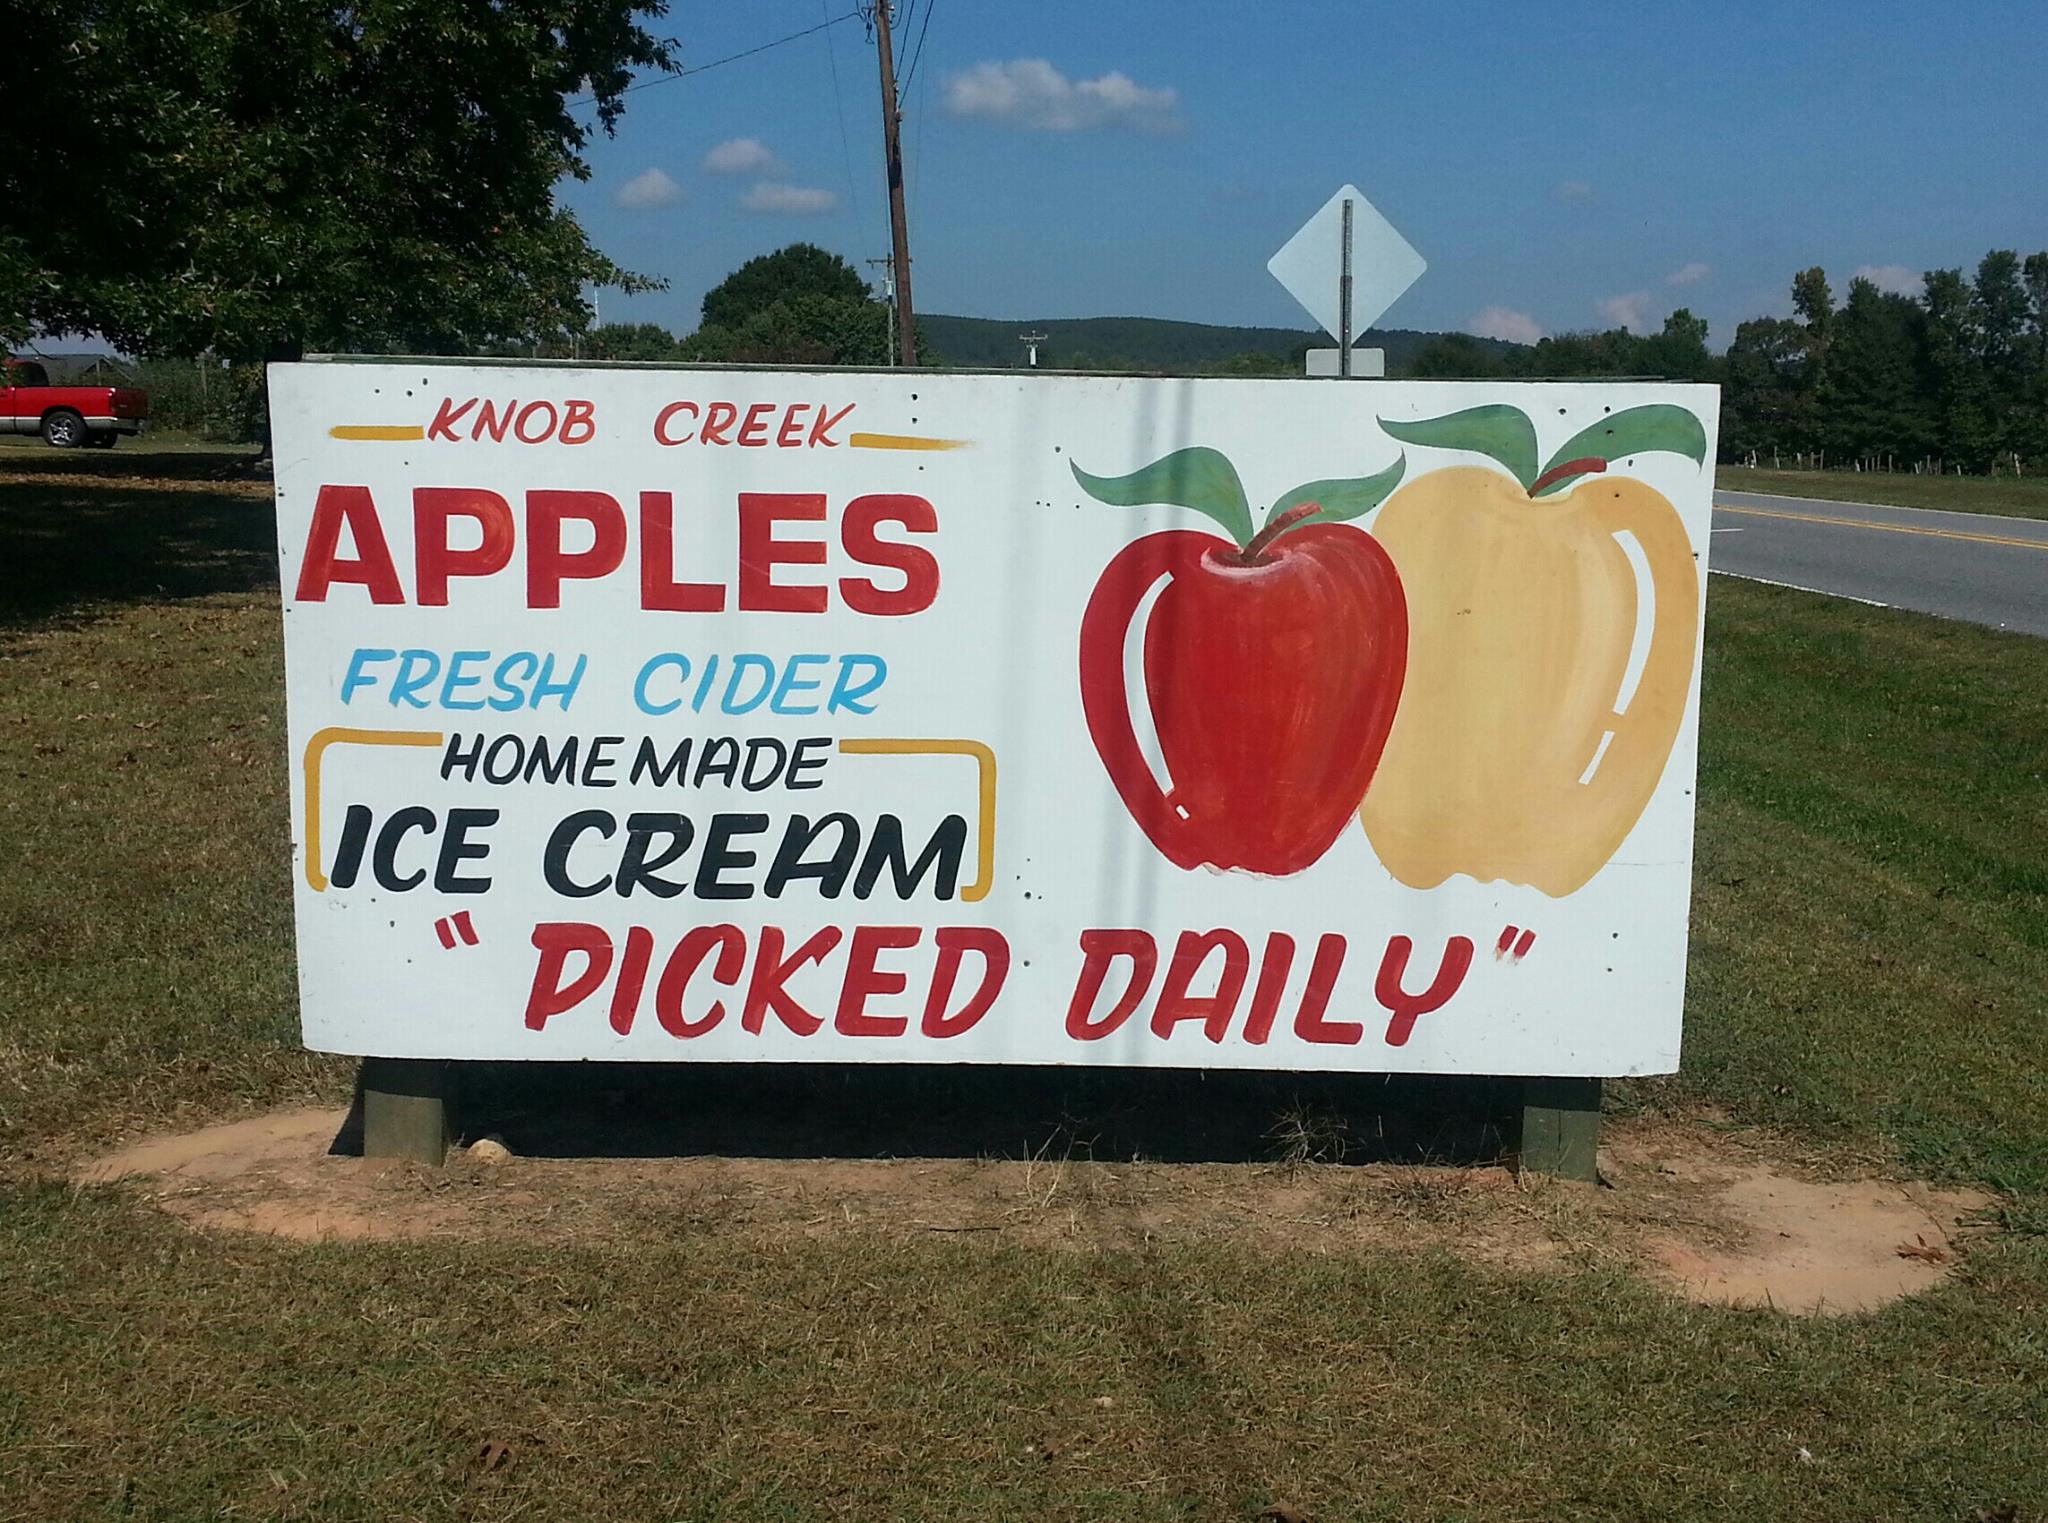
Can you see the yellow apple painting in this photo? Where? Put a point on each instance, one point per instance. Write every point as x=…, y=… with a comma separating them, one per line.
x=1520, y=752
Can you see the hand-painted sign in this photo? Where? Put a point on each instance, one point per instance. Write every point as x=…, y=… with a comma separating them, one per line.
x=916, y=717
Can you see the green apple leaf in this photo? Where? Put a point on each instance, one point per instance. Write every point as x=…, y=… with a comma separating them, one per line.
x=1342, y=499
x=1198, y=478
x=1632, y=431
x=1497, y=431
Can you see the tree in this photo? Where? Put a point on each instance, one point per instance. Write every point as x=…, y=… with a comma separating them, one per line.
x=1252, y=362
x=1878, y=403
x=1960, y=396
x=1453, y=356
x=801, y=269
x=1563, y=355
x=1765, y=406
x=1813, y=301
x=253, y=178
x=797, y=306
x=1999, y=307
x=631, y=341
x=1815, y=304
x=2033, y=431
x=2036, y=274
x=805, y=329
x=1679, y=351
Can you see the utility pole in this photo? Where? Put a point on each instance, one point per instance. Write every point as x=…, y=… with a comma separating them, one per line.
x=1031, y=341
x=899, y=228
x=888, y=269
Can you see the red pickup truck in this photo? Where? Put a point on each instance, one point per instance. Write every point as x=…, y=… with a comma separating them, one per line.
x=67, y=416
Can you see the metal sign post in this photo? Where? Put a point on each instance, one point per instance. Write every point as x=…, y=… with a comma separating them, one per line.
x=1344, y=300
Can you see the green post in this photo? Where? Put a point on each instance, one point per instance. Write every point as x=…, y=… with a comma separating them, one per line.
x=1558, y=1128
x=405, y=1109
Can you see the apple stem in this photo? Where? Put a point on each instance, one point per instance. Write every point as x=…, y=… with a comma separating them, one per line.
x=1586, y=466
x=1279, y=526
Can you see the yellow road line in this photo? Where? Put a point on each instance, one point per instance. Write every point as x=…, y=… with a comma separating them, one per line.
x=903, y=441
x=985, y=766
x=1864, y=523
x=389, y=431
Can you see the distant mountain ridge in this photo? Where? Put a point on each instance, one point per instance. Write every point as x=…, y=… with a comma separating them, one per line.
x=1147, y=343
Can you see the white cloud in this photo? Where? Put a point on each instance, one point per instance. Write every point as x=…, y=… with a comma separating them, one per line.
x=1630, y=311
x=742, y=156
x=1504, y=322
x=649, y=191
x=1573, y=190
x=1891, y=277
x=1032, y=94
x=790, y=200
x=1689, y=274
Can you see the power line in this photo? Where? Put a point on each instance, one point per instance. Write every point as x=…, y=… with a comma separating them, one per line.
x=717, y=63
x=917, y=153
x=910, y=78
x=839, y=109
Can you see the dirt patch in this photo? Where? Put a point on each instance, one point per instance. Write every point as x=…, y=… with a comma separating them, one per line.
x=1710, y=1217
x=1805, y=1245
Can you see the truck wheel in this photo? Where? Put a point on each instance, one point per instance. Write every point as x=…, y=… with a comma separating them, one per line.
x=63, y=429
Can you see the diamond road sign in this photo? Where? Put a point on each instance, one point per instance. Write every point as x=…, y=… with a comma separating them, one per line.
x=1311, y=264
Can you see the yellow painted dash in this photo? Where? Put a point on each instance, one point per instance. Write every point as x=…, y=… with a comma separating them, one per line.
x=904, y=441
x=377, y=431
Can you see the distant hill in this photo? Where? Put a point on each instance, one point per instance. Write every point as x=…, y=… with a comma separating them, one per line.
x=1146, y=343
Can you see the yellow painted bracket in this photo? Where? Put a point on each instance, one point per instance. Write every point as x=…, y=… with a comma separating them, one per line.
x=316, y=750
x=985, y=765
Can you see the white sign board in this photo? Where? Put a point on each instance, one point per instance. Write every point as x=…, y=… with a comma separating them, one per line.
x=1311, y=263
x=924, y=717
x=1366, y=364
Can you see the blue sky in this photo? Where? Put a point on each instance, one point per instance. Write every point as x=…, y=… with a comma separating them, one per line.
x=1561, y=166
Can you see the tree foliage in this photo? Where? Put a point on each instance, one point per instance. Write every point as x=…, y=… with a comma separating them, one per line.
x=1764, y=405
x=1957, y=376
x=630, y=341
x=253, y=178
x=1678, y=351
x=797, y=306
x=781, y=278
x=1456, y=356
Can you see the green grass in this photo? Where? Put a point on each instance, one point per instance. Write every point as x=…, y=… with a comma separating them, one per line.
x=158, y=443
x=1870, y=951
x=1870, y=941
x=2007, y=496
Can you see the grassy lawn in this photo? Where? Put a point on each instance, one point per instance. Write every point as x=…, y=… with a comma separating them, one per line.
x=1868, y=968
x=2008, y=496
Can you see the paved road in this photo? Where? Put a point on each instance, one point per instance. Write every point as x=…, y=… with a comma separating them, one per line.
x=1972, y=566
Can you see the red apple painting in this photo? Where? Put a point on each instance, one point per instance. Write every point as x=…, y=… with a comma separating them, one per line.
x=1272, y=663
